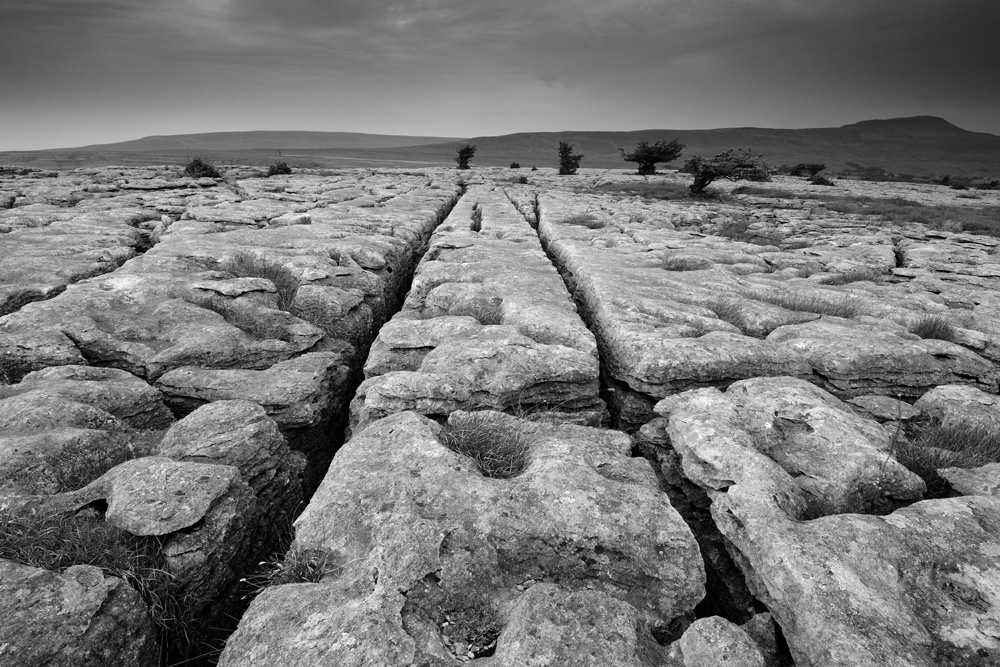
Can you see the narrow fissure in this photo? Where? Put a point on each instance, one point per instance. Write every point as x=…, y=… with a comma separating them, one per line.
x=727, y=594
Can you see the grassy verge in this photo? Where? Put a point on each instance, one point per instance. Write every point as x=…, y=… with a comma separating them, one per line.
x=56, y=541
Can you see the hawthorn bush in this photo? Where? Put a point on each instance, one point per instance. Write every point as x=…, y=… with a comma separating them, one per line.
x=733, y=165
x=647, y=155
x=465, y=153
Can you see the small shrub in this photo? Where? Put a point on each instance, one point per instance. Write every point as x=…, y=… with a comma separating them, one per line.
x=948, y=445
x=244, y=264
x=279, y=169
x=672, y=262
x=935, y=327
x=242, y=316
x=732, y=165
x=499, y=451
x=810, y=168
x=523, y=180
x=199, y=168
x=821, y=180
x=515, y=165
x=584, y=220
x=647, y=155
x=477, y=218
x=534, y=168
x=56, y=540
x=569, y=162
x=464, y=154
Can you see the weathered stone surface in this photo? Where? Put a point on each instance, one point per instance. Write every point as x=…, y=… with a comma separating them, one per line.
x=715, y=642
x=963, y=405
x=297, y=393
x=240, y=434
x=61, y=428
x=914, y=588
x=79, y=618
x=851, y=359
x=37, y=262
x=495, y=367
x=448, y=542
x=117, y=392
x=981, y=481
x=205, y=512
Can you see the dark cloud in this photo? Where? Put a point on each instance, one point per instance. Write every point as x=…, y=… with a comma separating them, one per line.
x=479, y=67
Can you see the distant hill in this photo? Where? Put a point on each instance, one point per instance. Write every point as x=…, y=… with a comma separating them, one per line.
x=918, y=145
x=262, y=139
x=921, y=145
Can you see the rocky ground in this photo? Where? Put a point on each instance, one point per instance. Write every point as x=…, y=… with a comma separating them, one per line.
x=717, y=412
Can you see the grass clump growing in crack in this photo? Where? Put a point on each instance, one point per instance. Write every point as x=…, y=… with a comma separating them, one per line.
x=499, y=450
x=242, y=316
x=56, y=540
x=728, y=310
x=853, y=276
x=584, y=220
x=673, y=262
x=810, y=304
x=243, y=264
x=935, y=327
x=947, y=445
x=298, y=566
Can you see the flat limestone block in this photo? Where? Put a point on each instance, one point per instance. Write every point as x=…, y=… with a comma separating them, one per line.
x=582, y=536
x=853, y=359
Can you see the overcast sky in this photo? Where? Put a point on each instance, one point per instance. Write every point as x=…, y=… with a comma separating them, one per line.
x=76, y=72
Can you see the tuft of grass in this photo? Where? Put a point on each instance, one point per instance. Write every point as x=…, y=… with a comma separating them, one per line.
x=672, y=262
x=199, y=168
x=584, y=220
x=810, y=304
x=760, y=191
x=242, y=316
x=853, y=276
x=487, y=313
x=663, y=190
x=499, y=451
x=934, y=326
x=55, y=541
x=243, y=264
x=947, y=445
x=728, y=309
x=298, y=566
